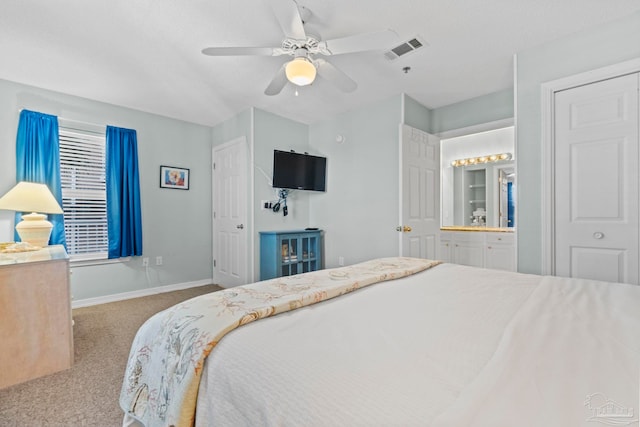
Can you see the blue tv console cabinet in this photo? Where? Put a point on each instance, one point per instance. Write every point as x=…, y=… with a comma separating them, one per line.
x=285, y=253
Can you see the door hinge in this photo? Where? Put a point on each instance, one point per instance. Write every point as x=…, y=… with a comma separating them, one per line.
x=214, y=215
x=214, y=165
x=214, y=262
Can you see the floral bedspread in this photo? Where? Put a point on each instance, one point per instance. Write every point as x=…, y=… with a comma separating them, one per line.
x=167, y=355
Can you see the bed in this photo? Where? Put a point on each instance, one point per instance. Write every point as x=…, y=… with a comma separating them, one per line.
x=433, y=345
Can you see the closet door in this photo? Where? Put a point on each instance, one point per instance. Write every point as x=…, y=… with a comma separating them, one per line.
x=596, y=181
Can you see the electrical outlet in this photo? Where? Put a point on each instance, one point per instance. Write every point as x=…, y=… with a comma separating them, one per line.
x=158, y=260
x=145, y=262
x=265, y=205
x=341, y=261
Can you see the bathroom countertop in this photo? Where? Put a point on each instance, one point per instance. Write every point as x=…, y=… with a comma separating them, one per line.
x=477, y=228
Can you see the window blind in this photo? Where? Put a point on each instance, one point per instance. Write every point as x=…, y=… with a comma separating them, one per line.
x=82, y=170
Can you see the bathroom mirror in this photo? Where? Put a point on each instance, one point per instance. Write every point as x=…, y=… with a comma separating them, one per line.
x=506, y=196
x=478, y=179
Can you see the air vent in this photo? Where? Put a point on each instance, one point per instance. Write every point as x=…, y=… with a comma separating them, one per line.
x=404, y=48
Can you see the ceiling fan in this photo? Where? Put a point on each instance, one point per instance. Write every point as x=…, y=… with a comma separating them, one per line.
x=305, y=49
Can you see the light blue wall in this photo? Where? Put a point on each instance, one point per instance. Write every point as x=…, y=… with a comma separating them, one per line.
x=174, y=221
x=416, y=115
x=276, y=132
x=359, y=211
x=265, y=132
x=615, y=42
x=235, y=127
x=483, y=109
x=238, y=126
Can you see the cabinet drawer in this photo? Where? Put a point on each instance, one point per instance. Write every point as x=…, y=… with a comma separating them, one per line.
x=500, y=238
x=468, y=237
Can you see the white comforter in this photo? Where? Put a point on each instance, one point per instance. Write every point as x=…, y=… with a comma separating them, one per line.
x=395, y=354
x=452, y=346
x=570, y=357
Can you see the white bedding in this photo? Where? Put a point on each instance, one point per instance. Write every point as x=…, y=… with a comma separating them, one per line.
x=451, y=346
x=570, y=357
x=392, y=354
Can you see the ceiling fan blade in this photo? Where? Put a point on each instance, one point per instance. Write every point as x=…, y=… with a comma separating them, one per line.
x=277, y=83
x=240, y=51
x=288, y=15
x=328, y=71
x=362, y=42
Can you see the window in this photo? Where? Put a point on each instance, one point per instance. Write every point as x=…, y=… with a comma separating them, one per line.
x=82, y=171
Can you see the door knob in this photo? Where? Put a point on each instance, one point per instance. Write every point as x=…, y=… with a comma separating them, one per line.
x=598, y=235
x=404, y=228
x=240, y=227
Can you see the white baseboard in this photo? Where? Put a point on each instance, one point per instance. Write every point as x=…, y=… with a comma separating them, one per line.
x=140, y=293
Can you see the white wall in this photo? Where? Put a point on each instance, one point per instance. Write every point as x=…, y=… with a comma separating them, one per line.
x=608, y=44
x=174, y=221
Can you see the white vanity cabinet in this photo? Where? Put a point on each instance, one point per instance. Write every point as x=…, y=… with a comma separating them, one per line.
x=488, y=249
x=500, y=251
x=463, y=248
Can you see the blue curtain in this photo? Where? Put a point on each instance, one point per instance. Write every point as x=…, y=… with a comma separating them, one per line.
x=511, y=206
x=124, y=217
x=38, y=160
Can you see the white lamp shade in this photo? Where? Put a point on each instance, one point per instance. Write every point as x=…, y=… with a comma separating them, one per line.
x=300, y=71
x=30, y=197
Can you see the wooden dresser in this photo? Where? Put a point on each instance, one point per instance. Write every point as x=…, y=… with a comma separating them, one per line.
x=36, y=336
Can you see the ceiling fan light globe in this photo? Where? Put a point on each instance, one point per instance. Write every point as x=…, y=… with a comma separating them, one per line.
x=300, y=71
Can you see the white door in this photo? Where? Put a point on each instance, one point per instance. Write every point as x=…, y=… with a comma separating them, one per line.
x=596, y=181
x=230, y=233
x=420, y=192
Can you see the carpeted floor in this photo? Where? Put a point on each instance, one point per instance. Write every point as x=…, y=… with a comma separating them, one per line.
x=87, y=394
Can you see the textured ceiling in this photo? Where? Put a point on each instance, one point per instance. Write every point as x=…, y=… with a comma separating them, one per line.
x=146, y=54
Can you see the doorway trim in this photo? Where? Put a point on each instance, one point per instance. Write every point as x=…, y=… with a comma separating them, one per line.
x=548, y=91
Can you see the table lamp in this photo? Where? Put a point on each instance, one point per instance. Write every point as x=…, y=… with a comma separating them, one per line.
x=37, y=199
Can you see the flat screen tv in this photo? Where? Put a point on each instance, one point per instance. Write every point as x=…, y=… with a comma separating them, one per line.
x=299, y=171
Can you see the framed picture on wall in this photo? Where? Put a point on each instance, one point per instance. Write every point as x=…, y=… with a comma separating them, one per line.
x=173, y=177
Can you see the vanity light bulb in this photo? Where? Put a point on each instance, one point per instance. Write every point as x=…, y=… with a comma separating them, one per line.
x=493, y=157
x=482, y=159
x=454, y=163
x=471, y=161
x=504, y=156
